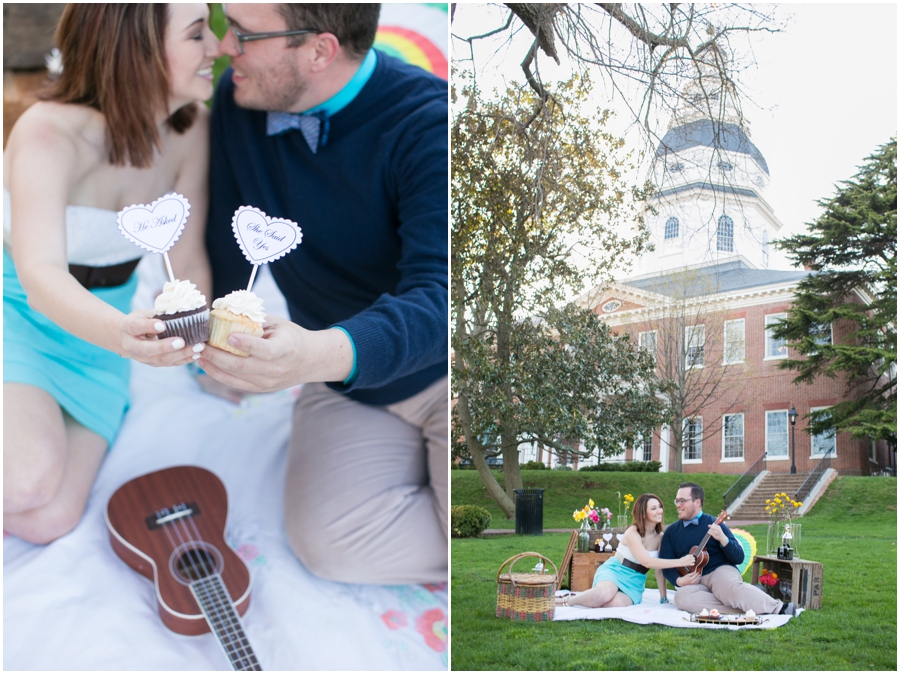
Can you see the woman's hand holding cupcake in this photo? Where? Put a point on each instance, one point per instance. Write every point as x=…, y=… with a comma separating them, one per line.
x=138, y=339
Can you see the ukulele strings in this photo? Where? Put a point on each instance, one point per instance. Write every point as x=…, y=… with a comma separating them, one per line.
x=242, y=647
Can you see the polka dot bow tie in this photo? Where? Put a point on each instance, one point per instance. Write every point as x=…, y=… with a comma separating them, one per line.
x=314, y=127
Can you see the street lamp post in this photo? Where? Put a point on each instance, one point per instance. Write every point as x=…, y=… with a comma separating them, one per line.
x=792, y=415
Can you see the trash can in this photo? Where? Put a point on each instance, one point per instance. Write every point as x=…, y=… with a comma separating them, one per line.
x=530, y=512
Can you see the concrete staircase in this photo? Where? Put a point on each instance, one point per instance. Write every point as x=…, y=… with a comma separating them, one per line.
x=754, y=506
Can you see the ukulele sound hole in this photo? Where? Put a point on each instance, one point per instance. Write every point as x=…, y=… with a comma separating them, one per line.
x=193, y=562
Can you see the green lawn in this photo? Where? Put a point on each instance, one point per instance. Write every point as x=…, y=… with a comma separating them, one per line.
x=852, y=531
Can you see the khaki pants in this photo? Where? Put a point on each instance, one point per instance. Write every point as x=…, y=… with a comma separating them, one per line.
x=723, y=589
x=366, y=492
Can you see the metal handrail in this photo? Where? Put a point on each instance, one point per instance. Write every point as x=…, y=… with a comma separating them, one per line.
x=810, y=482
x=742, y=482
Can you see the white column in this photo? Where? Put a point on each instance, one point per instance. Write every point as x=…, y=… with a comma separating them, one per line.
x=664, y=449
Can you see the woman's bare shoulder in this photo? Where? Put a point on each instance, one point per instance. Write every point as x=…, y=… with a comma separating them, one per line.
x=57, y=129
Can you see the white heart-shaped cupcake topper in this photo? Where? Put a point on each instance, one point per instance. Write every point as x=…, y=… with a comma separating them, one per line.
x=155, y=227
x=261, y=238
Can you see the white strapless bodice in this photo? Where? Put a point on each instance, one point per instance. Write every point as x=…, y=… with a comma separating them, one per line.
x=92, y=235
x=626, y=553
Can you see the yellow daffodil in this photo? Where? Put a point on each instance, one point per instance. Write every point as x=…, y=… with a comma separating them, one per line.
x=591, y=502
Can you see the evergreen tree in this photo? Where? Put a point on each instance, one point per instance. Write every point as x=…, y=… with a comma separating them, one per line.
x=852, y=250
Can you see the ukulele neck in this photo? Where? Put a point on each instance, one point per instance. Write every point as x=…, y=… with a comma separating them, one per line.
x=213, y=599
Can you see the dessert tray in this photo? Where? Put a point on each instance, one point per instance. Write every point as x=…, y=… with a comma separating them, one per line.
x=726, y=619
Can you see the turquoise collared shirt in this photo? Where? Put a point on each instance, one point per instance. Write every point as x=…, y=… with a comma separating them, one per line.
x=343, y=98
x=331, y=107
x=696, y=520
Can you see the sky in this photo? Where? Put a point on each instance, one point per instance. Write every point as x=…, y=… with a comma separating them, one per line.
x=822, y=97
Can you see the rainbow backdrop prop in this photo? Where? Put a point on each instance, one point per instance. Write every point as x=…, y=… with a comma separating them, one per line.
x=745, y=538
x=412, y=47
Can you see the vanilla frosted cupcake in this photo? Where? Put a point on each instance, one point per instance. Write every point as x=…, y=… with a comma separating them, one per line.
x=184, y=310
x=240, y=311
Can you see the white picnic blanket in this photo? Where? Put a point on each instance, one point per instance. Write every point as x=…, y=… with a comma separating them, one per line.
x=651, y=612
x=74, y=605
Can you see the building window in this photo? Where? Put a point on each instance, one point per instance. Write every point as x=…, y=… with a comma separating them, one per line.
x=872, y=455
x=692, y=441
x=734, y=341
x=725, y=234
x=695, y=340
x=671, y=231
x=824, y=442
x=775, y=348
x=647, y=342
x=610, y=306
x=777, y=434
x=676, y=167
x=821, y=333
x=733, y=435
x=643, y=446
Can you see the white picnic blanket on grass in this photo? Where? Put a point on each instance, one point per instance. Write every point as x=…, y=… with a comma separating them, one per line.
x=74, y=605
x=651, y=612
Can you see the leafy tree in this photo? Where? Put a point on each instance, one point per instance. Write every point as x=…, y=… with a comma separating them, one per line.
x=536, y=211
x=852, y=248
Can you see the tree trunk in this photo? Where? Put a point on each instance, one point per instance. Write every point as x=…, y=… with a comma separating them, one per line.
x=677, y=443
x=494, y=490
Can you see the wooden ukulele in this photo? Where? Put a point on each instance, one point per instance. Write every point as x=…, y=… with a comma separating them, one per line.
x=701, y=555
x=169, y=526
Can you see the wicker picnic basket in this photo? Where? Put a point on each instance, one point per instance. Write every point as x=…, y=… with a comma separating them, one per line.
x=526, y=596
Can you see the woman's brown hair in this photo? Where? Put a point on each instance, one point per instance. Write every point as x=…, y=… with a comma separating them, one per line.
x=639, y=513
x=114, y=61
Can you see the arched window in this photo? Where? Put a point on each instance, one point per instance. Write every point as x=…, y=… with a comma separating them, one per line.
x=725, y=234
x=671, y=228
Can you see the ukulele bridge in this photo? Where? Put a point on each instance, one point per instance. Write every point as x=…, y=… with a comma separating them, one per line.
x=172, y=514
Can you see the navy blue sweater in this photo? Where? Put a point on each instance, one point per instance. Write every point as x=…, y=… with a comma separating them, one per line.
x=678, y=540
x=372, y=204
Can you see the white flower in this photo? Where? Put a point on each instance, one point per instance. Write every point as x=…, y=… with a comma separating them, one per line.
x=54, y=62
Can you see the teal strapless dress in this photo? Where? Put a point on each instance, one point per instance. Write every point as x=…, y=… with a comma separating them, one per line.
x=88, y=382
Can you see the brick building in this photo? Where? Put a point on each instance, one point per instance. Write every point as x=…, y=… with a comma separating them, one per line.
x=701, y=302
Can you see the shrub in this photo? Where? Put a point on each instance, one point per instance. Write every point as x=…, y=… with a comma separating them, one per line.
x=628, y=467
x=468, y=521
x=560, y=466
x=533, y=465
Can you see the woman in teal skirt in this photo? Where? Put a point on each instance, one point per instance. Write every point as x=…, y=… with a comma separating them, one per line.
x=620, y=581
x=120, y=125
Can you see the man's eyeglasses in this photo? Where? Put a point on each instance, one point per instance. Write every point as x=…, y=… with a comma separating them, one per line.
x=250, y=37
x=682, y=501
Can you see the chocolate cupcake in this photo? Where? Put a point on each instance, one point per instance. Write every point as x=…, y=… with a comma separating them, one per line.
x=184, y=310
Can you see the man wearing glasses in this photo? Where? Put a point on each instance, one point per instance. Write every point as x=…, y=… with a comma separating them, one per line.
x=719, y=586
x=313, y=125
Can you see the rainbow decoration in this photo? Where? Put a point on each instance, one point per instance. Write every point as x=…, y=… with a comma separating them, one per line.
x=412, y=47
x=745, y=538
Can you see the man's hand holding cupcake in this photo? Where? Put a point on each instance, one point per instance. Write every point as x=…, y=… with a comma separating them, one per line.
x=284, y=356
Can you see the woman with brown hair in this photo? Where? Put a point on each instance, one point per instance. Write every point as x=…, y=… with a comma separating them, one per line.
x=120, y=126
x=621, y=579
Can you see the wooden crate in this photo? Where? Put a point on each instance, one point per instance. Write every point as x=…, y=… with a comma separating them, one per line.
x=805, y=577
x=584, y=566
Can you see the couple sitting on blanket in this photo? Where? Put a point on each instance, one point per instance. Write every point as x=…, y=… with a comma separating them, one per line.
x=310, y=124
x=648, y=545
